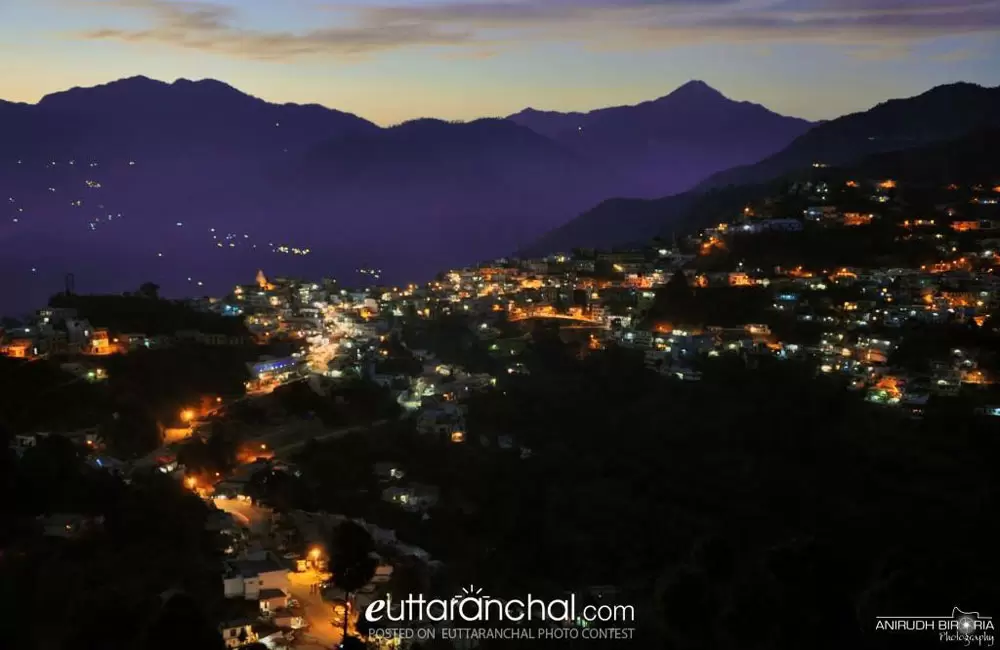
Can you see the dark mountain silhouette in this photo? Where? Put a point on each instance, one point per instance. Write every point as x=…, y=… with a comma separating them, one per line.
x=142, y=117
x=195, y=179
x=669, y=144
x=431, y=191
x=942, y=114
x=967, y=160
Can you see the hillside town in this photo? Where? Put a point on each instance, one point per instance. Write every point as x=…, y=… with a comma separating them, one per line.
x=889, y=291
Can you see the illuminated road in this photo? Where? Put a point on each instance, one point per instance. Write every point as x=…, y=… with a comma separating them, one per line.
x=255, y=518
x=576, y=319
x=322, y=633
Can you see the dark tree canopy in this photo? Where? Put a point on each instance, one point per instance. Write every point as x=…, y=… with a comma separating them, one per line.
x=182, y=623
x=149, y=290
x=352, y=560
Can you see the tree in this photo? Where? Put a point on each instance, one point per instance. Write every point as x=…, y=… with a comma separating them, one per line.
x=409, y=578
x=181, y=623
x=8, y=323
x=149, y=290
x=352, y=643
x=352, y=560
x=674, y=300
x=217, y=454
x=130, y=432
x=278, y=490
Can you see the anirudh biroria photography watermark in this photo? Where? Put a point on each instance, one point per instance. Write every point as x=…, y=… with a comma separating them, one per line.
x=472, y=615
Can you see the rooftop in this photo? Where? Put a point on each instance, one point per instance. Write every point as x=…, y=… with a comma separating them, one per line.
x=250, y=568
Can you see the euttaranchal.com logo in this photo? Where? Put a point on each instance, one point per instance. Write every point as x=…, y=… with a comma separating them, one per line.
x=472, y=606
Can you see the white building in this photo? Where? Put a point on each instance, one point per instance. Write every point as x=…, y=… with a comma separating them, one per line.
x=249, y=576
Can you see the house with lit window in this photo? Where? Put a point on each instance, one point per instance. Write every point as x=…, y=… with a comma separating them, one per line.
x=100, y=343
x=388, y=471
x=443, y=419
x=272, y=599
x=237, y=633
x=78, y=331
x=18, y=348
x=414, y=497
x=637, y=338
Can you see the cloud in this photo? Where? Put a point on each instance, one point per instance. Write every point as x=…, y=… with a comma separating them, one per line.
x=469, y=55
x=881, y=28
x=955, y=56
x=213, y=28
x=893, y=52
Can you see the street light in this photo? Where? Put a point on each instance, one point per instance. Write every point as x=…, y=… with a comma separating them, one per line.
x=187, y=415
x=191, y=482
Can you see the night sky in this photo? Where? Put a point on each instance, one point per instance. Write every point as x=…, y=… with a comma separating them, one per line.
x=391, y=61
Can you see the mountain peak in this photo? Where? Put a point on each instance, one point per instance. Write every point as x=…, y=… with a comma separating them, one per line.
x=695, y=89
x=137, y=89
x=213, y=85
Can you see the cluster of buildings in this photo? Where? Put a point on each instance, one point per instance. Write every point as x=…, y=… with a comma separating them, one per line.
x=278, y=585
x=862, y=311
x=61, y=331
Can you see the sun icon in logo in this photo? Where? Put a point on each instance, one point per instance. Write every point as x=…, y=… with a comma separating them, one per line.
x=967, y=621
x=471, y=591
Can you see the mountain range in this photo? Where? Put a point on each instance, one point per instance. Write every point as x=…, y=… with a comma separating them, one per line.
x=941, y=114
x=195, y=179
x=672, y=141
x=194, y=184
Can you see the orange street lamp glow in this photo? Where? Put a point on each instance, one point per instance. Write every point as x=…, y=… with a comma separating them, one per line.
x=191, y=481
x=314, y=554
x=187, y=415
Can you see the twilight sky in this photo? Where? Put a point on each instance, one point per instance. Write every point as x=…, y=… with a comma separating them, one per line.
x=392, y=60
